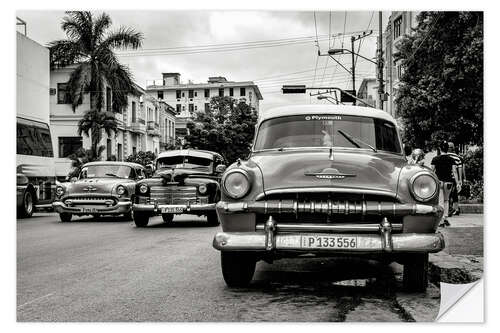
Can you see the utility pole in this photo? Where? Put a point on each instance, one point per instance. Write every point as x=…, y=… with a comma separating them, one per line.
x=353, y=69
x=380, y=64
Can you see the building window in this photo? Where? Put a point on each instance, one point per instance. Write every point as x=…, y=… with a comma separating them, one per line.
x=207, y=107
x=178, y=109
x=108, y=99
x=231, y=92
x=243, y=92
x=195, y=94
x=207, y=93
x=134, y=150
x=191, y=108
x=397, y=26
x=221, y=92
x=134, y=112
x=183, y=94
x=177, y=94
x=69, y=145
x=183, y=108
x=190, y=93
x=160, y=94
x=63, y=96
x=120, y=152
x=108, y=149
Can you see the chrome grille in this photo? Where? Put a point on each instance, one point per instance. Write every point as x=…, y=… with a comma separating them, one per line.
x=90, y=200
x=174, y=194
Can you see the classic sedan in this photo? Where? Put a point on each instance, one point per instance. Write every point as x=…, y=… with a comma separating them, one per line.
x=327, y=181
x=185, y=182
x=102, y=188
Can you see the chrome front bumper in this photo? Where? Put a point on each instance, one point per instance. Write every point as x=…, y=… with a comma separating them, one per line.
x=271, y=238
x=157, y=208
x=122, y=207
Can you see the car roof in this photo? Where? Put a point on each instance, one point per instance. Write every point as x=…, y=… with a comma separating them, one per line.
x=190, y=152
x=348, y=110
x=130, y=164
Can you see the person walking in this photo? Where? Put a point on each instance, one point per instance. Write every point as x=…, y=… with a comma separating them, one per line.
x=458, y=182
x=446, y=170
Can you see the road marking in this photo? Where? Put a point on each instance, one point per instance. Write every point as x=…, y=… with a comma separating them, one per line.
x=34, y=300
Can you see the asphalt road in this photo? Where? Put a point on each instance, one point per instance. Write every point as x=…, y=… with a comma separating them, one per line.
x=109, y=270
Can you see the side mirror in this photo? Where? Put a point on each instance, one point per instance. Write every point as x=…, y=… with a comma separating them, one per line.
x=220, y=168
x=73, y=179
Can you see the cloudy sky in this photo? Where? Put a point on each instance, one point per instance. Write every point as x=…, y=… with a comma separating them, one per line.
x=276, y=47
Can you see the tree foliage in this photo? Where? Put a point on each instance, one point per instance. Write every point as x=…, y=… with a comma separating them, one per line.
x=93, y=123
x=227, y=127
x=143, y=157
x=441, y=92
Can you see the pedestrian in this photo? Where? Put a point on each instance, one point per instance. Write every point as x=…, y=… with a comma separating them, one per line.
x=457, y=185
x=446, y=170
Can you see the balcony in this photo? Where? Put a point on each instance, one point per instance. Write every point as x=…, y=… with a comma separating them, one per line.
x=153, y=128
x=139, y=126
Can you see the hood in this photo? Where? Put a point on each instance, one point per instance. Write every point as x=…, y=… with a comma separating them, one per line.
x=179, y=175
x=101, y=185
x=313, y=168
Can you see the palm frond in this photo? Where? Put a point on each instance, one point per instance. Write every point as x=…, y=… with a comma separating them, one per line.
x=101, y=23
x=123, y=38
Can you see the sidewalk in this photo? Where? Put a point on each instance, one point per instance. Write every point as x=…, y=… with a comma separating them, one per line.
x=465, y=235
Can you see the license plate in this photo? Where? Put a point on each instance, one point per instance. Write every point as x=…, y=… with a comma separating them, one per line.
x=89, y=210
x=172, y=210
x=317, y=242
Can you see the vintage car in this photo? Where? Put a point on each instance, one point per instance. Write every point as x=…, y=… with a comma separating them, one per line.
x=102, y=188
x=185, y=182
x=327, y=181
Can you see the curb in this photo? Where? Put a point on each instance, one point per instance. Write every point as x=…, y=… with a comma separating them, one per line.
x=471, y=208
x=454, y=269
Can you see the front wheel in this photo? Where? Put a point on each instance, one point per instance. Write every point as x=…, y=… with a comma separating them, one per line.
x=65, y=217
x=167, y=218
x=415, y=272
x=141, y=219
x=237, y=268
x=27, y=205
x=212, y=219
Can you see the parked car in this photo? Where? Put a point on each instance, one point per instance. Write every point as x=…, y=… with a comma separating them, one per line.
x=330, y=181
x=185, y=182
x=102, y=188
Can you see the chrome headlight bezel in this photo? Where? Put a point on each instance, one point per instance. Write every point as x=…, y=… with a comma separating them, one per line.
x=202, y=189
x=225, y=178
x=411, y=183
x=143, y=188
x=121, y=190
x=60, y=191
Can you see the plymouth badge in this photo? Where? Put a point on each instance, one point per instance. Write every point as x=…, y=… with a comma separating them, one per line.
x=89, y=188
x=329, y=173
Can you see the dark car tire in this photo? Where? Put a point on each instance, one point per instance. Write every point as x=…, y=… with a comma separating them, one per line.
x=415, y=272
x=141, y=219
x=237, y=268
x=167, y=218
x=28, y=204
x=128, y=216
x=212, y=219
x=65, y=217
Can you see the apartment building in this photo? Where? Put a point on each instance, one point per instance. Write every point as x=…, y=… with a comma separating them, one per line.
x=368, y=91
x=188, y=98
x=143, y=125
x=400, y=23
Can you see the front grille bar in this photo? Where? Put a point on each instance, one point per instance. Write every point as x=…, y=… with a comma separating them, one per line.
x=331, y=207
x=344, y=227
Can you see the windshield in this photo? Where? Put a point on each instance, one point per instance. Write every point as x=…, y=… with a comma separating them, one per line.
x=107, y=171
x=327, y=131
x=184, y=162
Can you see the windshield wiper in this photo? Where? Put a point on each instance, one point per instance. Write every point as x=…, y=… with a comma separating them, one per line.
x=355, y=141
x=112, y=175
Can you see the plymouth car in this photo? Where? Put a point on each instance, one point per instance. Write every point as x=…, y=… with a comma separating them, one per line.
x=102, y=188
x=332, y=181
x=185, y=182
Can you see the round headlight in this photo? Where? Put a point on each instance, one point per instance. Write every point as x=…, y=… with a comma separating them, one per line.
x=59, y=191
x=202, y=189
x=120, y=190
x=236, y=184
x=423, y=186
x=143, y=188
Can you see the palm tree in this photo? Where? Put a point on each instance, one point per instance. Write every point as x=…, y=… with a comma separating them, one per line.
x=90, y=48
x=94, y=122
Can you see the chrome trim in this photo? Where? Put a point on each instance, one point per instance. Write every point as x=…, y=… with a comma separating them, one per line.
x=121, y=207
x=328, y=228
x=386, y=232
x=185, y=208
x=295, y=190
